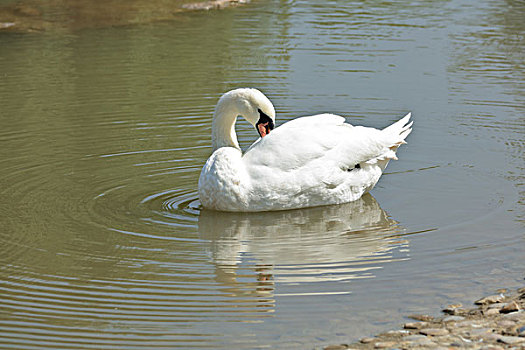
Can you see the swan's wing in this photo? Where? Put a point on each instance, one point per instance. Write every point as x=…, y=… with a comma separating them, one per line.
x=324, y=141
x=295, y=143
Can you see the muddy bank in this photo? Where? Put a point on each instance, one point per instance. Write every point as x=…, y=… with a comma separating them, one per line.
x=497, y=322
x=48, y=15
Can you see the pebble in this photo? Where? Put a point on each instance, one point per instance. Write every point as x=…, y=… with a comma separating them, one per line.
x=425, y=318
x=515, y=316
x=336, y=347
x=506, y=323
x=398, y=332
x=456, y=344
x=479, y=332
x=367, y=340
x=434, y=331
x=492, y=325
x=454, y=306
x=453, y=318
x=386, y=344
x=452, y=309
x=491, y=347
x=414, y=337
x=425, y=342
x=510, y=307
x=415, y=325
x=491, y=299
x=496, y=305
x=511, y=340
x=489, y=312
x=469, y=323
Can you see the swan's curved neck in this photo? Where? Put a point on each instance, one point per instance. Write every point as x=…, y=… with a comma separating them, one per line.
x=223, y=125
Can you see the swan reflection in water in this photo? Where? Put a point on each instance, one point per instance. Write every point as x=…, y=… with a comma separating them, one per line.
x=253, y=251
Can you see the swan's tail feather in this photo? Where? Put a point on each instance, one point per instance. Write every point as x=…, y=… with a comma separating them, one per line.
x=401, y=127
x=394, y=136
x=399, y=131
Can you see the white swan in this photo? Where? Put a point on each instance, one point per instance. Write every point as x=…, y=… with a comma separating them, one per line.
x=306, y=162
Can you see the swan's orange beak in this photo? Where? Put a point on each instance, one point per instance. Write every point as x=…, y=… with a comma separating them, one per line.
x=263, y=129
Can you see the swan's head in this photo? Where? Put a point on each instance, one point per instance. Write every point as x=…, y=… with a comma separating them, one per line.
x=253, y=106
x=261, y=112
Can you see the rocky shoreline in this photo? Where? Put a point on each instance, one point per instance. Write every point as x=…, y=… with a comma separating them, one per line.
x=496, y=323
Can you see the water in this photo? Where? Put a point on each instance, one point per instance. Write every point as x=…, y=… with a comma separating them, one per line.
x=105, y=126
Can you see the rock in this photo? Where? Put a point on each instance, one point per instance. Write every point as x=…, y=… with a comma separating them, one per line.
x=510, y=307
x=336, y=347
x=367, y=340
x=480, y=332
x=489, y=312
x=414, y=337
x=425, y=342
x=511, y=340
x=452, y=309
x=417, y=340
x=496, y=305
x=505, y=323
x=458, y=311
x=469, y=324
x=491, y=347
x=491, y=337
x=485, y=327
x=453, y=318
x=491, y=299
x=384, y=345
x=398, y=332
x=425, y=318
x=456, y=344
x=434, y=331
x=515, y=316
x=454, y=306
x=415, y=325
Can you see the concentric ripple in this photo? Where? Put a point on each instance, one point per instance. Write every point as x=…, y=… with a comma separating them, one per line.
x=122, y=252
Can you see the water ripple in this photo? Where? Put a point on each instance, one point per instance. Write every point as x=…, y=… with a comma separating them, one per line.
x=104, y=244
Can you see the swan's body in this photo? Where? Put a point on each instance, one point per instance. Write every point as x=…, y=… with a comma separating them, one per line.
x=308, y=161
